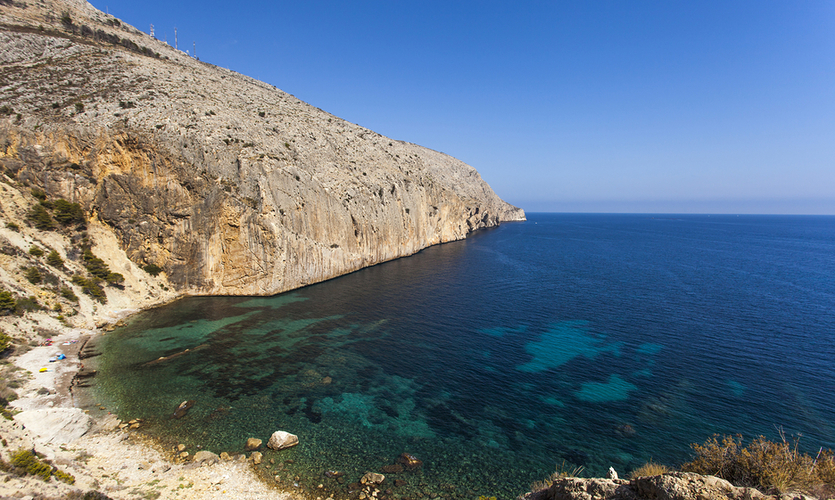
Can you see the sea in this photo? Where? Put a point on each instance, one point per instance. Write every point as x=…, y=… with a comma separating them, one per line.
x=572, y=342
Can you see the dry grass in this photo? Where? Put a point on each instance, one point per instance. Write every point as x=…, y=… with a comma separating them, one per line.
x=773, y=467
x=649, y=469
x=560, y=473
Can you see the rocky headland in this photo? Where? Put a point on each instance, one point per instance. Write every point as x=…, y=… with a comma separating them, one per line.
x=131, y=175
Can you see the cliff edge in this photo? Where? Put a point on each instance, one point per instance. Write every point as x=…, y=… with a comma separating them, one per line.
x=227, y=184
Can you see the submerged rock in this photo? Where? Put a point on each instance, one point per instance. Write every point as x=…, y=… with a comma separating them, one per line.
x=183, y=408
x=281, y=440
x=252, y=444
x=410, y=461
x=372, y=478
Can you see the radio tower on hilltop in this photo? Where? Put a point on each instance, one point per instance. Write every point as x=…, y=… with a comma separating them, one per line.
x=175, y=38
x=152, y=31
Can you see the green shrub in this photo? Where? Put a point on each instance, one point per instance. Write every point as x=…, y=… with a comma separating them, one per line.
x=35, y=251
x=64, y=477
x=95, y=265
x=91, y=287
x=14, y=227
x=152, y=269
x=5, y=341
x=28, y=463
x=33, y=275
x=41, y=218
x=79, y=107
x=54, y=259
x=39, y=194
x=27, y=304
x=67, y=213
x=7, y=302
x=68, y=294
x=115, y=279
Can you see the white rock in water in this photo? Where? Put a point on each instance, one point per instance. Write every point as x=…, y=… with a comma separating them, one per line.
x=612, y=474
x=281, y=440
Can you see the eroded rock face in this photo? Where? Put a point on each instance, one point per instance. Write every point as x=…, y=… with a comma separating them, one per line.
x=671, y=486
x=228, y=184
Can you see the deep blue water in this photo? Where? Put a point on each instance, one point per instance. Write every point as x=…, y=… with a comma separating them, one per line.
x=567, y=340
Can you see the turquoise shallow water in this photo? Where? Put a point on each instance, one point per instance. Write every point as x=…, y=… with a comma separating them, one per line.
x=583, y=340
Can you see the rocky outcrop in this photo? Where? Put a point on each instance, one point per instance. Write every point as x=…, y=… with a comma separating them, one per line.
x=229, y=185
x=671, y=486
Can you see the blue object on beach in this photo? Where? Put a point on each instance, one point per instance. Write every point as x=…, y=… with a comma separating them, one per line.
x=61, y=356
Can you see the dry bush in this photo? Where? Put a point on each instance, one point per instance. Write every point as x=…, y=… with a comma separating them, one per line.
x=561, y=472
x=649, y=469
x=774, y=467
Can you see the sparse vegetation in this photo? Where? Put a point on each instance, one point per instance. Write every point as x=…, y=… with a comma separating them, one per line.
x=152, y=269
x=14, y=227
x=40, y=218
x=772, y=467
x=54, y=259
x=5, y=341
x=561, y=472
x=35, y=251
x=7, y=302
x=91, y=287
x=649, y=469
x=25, y=462
x=79, y=107
x=26, y=304
x=33, y=275
x=68, y=294
x=67, y=213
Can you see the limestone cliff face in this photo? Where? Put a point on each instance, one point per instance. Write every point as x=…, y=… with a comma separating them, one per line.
x=229, y=184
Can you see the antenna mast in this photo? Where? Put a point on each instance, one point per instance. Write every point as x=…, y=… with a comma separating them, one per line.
x=194, y=53
x=152, y=31
x=175, y=39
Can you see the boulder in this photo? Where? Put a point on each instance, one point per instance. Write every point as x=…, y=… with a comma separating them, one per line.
x=183, y=408
x=612, y=474
x=256, y=457
x=252, y=444
x=281, y=440
x=372, y=478
x=206, y=457
x=409, y=461
x=225, y=456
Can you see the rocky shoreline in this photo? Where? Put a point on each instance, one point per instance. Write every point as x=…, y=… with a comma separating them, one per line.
x=103, y=454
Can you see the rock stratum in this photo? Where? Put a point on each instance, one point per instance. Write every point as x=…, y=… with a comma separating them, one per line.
x=228, y=184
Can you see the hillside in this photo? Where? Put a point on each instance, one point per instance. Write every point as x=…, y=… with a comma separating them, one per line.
x=227, y=184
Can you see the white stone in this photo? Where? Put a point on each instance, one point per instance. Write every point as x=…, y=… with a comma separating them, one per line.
x=281, y=440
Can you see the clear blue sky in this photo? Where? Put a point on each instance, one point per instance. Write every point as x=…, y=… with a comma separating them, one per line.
x=582, y=106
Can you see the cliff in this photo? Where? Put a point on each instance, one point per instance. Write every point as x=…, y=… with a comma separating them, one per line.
x=227, y=184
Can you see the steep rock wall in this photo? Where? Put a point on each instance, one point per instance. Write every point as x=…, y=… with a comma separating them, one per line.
x=229, y=184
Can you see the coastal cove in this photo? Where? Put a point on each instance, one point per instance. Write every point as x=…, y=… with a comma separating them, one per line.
x=588, y=340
